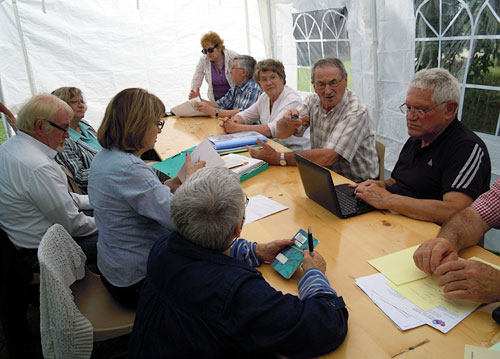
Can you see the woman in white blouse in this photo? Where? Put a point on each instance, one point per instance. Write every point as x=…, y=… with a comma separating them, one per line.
x=214, y=66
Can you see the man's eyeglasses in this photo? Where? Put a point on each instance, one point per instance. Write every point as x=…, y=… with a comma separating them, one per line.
x=237, y=68
x=404, y=108
x=160, y=124
x=77, y=102
x=58, y=127
x=332, y=84
x=209, y=50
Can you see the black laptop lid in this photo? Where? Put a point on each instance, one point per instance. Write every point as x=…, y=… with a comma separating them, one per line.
x=318, y=184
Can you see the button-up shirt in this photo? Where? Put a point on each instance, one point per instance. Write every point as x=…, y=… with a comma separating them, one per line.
x=240, y=97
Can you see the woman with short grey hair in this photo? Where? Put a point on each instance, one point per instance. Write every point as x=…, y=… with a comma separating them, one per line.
x=202, y=298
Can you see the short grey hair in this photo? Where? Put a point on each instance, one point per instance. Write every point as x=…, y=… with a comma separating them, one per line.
x=247, y=63
x=208, y=207
x=43, y=106
x=444, y=85
x=331, y=62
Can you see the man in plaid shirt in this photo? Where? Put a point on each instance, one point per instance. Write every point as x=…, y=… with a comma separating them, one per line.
x=341, y=135
x=469, y=279
x=239, y=97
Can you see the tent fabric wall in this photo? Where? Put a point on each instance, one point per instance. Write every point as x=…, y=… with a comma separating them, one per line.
x=103, y=47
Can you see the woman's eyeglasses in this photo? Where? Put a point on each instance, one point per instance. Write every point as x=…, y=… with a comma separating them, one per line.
x=209, y=50
x=160, y=124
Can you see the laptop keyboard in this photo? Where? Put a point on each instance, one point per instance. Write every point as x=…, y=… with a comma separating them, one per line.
x=348, y=203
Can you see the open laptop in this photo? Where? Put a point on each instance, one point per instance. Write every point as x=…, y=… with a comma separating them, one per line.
x=319, y=187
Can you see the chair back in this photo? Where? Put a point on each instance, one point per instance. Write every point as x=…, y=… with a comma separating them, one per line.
x=380, y=147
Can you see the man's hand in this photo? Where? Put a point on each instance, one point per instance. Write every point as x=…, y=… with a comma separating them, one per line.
x=373, y=192
x=205, y=107
x=266, y=252
x=470, y=280
x=287, y=125
x=314, y=261
x=192, y=167
x=267, y=153
x=433, y=253
x=194, y=93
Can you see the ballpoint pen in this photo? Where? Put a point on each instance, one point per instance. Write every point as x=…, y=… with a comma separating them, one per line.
x=310, y=239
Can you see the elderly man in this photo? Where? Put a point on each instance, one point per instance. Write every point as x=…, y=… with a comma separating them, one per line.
x=33, y=188
x=471, y=280
x=202, y=298
x=443, y=166
x=239, y=97
x=341, y=135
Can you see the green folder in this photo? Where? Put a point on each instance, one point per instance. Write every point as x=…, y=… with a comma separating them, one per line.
x=254, y=172
x=172, y=165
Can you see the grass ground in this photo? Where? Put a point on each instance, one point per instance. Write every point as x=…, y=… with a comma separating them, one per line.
x=3, y=136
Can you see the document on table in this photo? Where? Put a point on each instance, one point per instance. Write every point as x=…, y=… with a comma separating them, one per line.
x=473, y=352
x=260, y=206
x=203, y=152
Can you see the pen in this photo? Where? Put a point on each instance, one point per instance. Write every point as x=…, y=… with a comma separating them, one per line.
x=294, y=117
x=310, y=240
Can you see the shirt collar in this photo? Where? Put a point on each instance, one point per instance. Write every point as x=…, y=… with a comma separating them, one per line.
x=50, y=152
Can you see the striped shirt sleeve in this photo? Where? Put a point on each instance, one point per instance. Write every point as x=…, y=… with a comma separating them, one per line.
x=314, y=282
x=244, y=251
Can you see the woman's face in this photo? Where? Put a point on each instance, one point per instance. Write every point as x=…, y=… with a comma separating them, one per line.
x=215, y=54
x=271, y=84
x=78, y=106
x=152, y=134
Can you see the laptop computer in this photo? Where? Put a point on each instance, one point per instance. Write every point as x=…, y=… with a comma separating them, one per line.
x=319, y=187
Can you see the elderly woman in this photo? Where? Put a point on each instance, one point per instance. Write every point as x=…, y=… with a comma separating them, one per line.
x=264, y=114
x=202, y=298
x=81, y=146
x=131, y=205
x=214, y=66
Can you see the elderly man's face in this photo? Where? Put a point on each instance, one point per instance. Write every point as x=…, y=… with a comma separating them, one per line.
x=429, y=125
x=238, y=75
x=329, y=85
x=58, y=133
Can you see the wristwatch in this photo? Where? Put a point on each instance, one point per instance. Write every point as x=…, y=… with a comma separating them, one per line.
x=282, y=159
x=217, y=110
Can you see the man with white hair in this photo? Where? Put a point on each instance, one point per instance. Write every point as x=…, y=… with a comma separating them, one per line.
x=443, y=166
x=33, y=188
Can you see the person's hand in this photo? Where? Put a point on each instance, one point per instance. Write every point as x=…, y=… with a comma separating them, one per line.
x=230, y=125
x=470, y=280
x=204, y=107
x=194, y=93
x=267, y=153
x=315, y=260
x=373, y=193
x=381, y=184
x=433, y=253
x=292, y=120
x=266, y=252
x=192, y=167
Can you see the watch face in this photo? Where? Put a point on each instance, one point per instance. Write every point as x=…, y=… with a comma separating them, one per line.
x=283, y=162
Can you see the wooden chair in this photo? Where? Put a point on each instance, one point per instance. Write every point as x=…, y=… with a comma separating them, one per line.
x=76, y=309
x=380, y=147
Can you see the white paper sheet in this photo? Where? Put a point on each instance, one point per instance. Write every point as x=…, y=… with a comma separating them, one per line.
x=260, y=206
x=203, y=152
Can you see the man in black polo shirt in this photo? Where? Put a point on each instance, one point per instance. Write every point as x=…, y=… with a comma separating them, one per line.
x=443, y=166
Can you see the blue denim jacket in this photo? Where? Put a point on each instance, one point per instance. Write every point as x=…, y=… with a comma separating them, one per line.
x=198, y=303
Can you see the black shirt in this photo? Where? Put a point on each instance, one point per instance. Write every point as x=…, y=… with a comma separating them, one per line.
x=457, y=160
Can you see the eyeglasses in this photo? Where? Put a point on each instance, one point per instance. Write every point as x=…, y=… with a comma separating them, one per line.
x=332, y=84
x=237, y=68
x=77, y=102
x=160, y=124
x=209, y=50
x=271, y=78
x=246, y=200
x=404, y=108
x=58, y=127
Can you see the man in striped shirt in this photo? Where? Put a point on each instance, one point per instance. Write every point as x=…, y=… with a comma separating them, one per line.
x=443, y=166
x=469, y=279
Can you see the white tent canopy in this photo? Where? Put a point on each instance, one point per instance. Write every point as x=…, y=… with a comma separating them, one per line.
x=103, y=47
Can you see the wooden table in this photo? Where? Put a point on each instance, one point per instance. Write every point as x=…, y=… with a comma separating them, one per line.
x=346, y=245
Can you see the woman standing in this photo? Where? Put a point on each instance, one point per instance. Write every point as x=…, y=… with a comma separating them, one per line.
x=81, y=146
x=214, y=66
x=131, y=205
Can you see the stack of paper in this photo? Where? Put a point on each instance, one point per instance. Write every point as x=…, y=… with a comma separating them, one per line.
x=187, y=109
x=409, y=297
x=249, y=166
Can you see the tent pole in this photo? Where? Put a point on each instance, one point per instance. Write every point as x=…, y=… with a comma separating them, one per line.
x=270, y=19
x=375, y=62
x=247, y=27
x=29, y=71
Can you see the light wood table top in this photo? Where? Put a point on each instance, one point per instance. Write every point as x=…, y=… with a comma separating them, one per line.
x=346, y=245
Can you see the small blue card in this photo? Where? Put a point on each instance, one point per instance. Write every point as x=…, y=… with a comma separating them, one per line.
x=289, y=259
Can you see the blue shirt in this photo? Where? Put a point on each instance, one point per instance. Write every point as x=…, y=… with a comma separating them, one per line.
x=199, y=303
x=240, y=97
x=131, y=210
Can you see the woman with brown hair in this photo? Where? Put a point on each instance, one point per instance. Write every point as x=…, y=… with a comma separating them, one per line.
x=131, y=205
x=214, y=66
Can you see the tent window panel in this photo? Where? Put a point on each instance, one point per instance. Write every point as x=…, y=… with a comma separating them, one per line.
x=303, y=54
x=485, y=65
x=426, y=54
x=316, y=51
x=454, y=55
x=427, y=24
x=481, y=109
